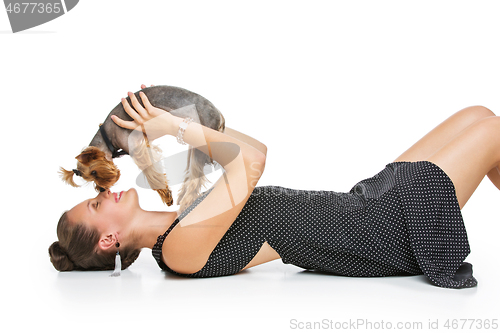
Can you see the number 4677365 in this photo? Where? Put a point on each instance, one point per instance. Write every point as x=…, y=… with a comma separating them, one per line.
x=34, y=7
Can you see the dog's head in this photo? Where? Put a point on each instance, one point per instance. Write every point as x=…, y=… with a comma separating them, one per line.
x=93, y=166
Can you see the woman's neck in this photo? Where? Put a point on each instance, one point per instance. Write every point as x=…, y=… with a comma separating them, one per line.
x=150, y=225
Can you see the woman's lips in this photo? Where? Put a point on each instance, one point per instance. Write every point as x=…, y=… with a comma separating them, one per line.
x=118, y=196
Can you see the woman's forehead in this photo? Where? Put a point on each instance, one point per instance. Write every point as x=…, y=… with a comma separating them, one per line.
x=80, y=211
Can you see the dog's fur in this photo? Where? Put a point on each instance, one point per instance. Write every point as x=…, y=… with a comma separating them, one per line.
x=95, y=163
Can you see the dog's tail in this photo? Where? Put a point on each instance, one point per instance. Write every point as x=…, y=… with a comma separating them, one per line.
x=67, y=177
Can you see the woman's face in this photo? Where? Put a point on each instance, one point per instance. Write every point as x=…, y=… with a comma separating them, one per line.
x=107, y=211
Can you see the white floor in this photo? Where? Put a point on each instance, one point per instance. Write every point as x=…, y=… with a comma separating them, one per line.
x=335, y=89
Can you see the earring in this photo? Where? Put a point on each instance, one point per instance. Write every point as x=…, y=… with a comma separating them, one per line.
x=118, y=262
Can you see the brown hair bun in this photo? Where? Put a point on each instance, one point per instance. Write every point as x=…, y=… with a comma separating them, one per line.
x=59, y=258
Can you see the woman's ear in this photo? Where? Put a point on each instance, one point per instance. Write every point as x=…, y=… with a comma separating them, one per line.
x=107, y=241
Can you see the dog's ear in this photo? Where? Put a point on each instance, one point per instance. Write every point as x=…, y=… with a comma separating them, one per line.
x=90, y=154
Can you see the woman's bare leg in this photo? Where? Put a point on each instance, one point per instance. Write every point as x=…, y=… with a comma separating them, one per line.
x=445, y=132
x=468, y=157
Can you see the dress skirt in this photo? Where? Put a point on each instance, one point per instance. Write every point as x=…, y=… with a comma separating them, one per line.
x=433, y=225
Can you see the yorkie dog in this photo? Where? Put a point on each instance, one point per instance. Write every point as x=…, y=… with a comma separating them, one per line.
x=95, y=163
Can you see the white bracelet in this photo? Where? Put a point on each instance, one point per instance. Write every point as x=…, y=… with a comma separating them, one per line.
x=182, y=128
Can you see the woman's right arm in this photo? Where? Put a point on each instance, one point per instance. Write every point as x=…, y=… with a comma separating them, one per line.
x=188, y=247
x=238, y=135
x=247, y=139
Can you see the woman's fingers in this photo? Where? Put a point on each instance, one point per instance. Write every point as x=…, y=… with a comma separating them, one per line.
x=138, y=107
x=125, y=124
x=131, y=112
x=152, y=110
x=145, y=101
x=140, y=115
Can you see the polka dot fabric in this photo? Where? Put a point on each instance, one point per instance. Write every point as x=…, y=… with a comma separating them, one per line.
x=403, y=221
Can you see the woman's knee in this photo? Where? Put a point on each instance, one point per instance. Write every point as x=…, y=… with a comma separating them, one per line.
x=490, y=126
x=476, y=112
x=487, y=132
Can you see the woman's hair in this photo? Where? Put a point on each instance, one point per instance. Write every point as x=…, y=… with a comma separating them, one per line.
x=77, y=249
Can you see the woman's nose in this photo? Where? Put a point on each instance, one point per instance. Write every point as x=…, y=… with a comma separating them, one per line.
x=105, y=194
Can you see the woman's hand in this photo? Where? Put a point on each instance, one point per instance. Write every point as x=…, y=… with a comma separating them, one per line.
x=151, y=120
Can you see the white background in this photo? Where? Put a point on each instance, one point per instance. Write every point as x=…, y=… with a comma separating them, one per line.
x=335, y=89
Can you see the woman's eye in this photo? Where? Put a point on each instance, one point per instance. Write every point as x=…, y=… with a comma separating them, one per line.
x=96, y=204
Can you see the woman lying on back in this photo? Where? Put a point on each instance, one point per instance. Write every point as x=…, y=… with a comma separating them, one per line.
x=405, y=220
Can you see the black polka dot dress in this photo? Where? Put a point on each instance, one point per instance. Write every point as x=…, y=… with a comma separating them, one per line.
x=403, y=221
